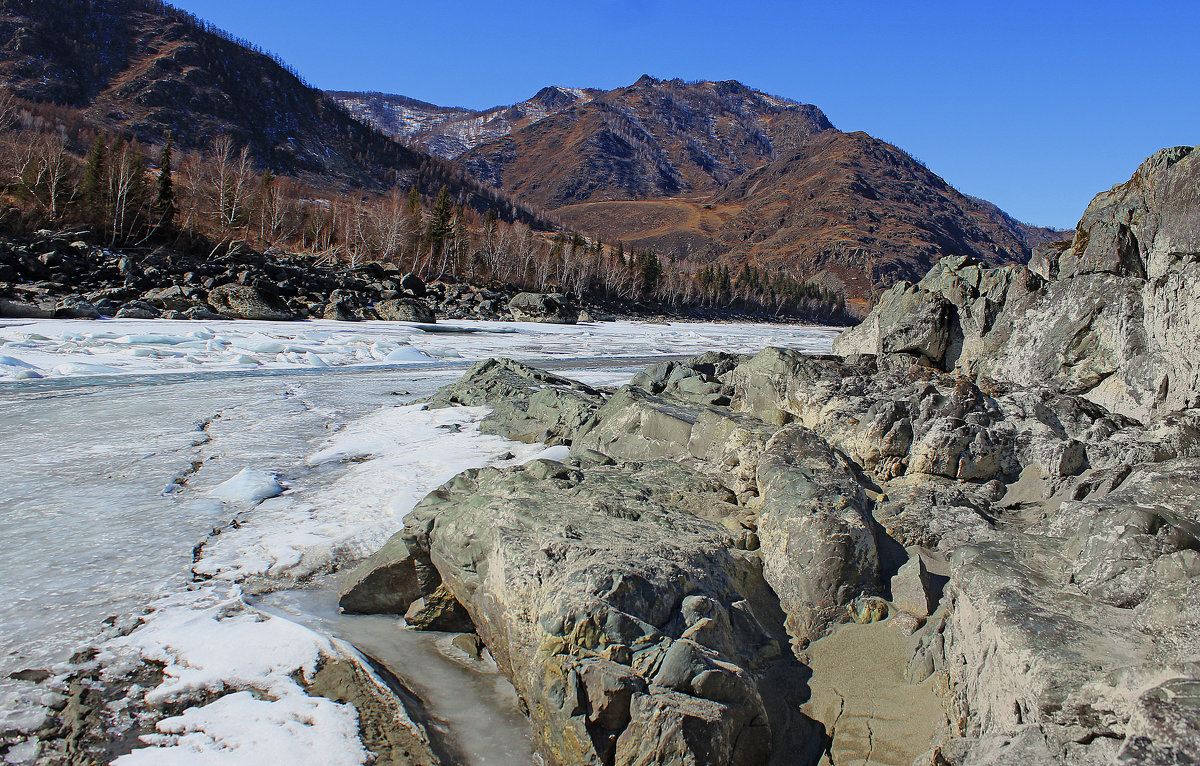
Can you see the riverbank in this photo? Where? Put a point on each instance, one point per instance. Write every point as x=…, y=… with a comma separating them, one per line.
x=65, y=275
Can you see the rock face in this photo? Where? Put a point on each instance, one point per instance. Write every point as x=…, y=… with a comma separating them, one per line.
x=1026, y=533
x=553, y=308
x=628, y=624
x=1110, y=315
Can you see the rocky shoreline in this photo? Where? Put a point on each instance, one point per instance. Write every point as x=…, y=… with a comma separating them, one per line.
x=62, y=274
x=1002, y=469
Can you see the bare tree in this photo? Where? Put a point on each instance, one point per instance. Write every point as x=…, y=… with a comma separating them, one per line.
x=230, y=172
x=43, y=170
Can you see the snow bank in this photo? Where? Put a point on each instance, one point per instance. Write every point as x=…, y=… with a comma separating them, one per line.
x=387, y=462
x=210, y=641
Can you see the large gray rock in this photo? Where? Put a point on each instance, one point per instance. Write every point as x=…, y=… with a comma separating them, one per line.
x=405, y=310
x=553, y=308
x=815, y=528
x=631, y=627
x=1112, y=316
x=247, y=302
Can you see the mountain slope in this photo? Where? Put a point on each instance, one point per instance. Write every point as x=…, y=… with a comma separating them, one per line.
x=143, y=68
x=863, y=211
x=650, y=140
x=717, y=171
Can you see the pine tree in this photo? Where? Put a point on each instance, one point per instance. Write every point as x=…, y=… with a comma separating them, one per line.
x=92, y=183
x=439, y=220
x=414, y=202
x=651, y=269
x=164, y=193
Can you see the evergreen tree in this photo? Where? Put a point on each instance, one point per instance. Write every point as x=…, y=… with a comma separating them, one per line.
x=92, y=183
x=651, y=269
x=414, y=202
x=439, y=220
x=164, y=192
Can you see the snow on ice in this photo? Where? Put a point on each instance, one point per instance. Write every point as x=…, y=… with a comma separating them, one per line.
x=67, y=348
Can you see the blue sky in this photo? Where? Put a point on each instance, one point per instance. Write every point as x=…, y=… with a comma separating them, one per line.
x=1035, y=106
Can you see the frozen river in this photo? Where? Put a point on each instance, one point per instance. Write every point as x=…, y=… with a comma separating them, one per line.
x=124, y=445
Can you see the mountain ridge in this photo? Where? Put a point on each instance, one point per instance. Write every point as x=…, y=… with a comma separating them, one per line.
x=716, y=171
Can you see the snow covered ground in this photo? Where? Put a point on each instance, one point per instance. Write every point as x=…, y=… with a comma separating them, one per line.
x=114, y=477
x=66, y=348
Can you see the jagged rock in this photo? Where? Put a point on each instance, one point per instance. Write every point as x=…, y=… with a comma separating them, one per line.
x=438, y=610
x=404, y=310
x=1112, y=316
x=554, y=308
x=912, y=590
x=526, y=404
x=246, y=302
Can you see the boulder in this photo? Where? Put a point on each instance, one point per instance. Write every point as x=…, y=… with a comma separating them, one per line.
x=75, y=307
x=12, y=309
x=387, y=582
x=405, y=310
x=527, y=404
x=412, y=284
x=339, y=311
x=553, y=308
x=818, y=543
x=246, y=302
x=630, y=627
x=138, y=310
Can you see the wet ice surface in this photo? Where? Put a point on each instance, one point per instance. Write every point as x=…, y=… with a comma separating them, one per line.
x=108, y=480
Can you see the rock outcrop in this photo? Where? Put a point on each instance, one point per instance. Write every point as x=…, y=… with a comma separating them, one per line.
x=1110, y=315
x=994, y=470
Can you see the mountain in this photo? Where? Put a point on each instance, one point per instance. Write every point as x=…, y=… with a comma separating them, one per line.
x=718, y=171
x=448, y=132
x=862, y=214
x=146, y=69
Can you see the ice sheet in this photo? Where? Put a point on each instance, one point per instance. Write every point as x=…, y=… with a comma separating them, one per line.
x=67, y=348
